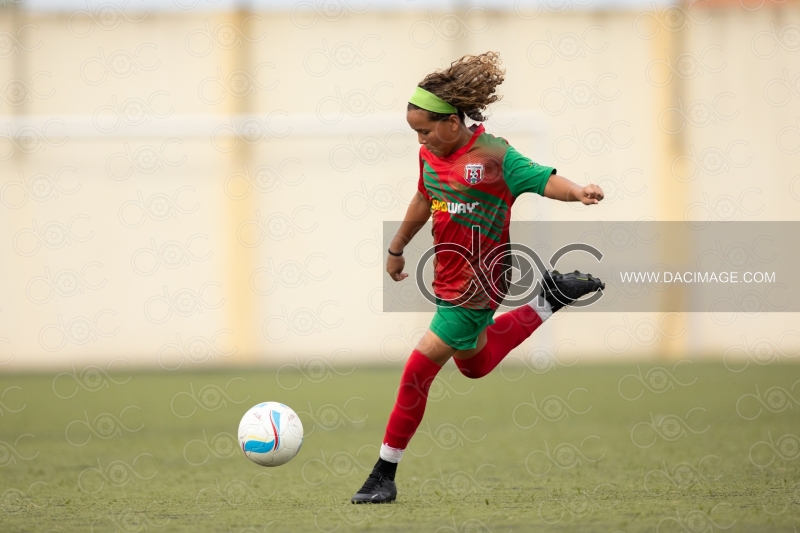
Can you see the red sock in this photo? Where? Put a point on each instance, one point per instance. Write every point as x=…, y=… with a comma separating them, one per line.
x=412, y=396
x=507, y=332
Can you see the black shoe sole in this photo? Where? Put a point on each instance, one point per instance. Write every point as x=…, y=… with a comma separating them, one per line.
x=373, y=502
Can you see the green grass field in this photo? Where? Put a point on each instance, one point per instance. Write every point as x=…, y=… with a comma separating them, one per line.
x=696, y=448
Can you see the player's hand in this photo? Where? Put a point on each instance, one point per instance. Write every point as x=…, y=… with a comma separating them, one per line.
x=591, y=194
x=394, y=266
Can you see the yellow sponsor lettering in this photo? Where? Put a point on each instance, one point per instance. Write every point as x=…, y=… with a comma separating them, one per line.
x=439, y=205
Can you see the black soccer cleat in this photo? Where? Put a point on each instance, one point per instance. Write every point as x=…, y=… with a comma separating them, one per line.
x=563, y=289
x=377, y=489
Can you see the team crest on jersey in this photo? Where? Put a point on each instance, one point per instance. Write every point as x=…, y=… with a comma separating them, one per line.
x=473, y=173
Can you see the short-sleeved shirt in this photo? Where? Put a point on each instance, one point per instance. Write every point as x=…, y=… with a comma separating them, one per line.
x=475, y=187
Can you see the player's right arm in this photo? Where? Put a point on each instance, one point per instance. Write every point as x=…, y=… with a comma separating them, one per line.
x=417, y=214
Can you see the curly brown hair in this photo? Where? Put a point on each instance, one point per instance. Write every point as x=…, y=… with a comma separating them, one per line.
x=468, y=84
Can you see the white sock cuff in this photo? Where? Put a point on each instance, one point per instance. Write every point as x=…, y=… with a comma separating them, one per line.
x=392, y=455
x=542, y=307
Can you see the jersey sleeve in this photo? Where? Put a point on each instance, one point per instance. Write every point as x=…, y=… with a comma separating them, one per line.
x=421, y=185
x=523, y=175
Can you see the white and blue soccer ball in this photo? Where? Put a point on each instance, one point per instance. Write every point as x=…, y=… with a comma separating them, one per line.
x=270, y=434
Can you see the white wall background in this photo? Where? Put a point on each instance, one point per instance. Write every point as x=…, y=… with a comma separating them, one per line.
x=209, y=186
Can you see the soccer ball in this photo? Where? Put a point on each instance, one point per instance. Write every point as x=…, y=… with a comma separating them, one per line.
x=270, y=434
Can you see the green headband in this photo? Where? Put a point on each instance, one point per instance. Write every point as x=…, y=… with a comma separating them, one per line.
x=430, y=102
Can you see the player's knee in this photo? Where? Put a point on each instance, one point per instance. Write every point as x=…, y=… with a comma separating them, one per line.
x=467, y=369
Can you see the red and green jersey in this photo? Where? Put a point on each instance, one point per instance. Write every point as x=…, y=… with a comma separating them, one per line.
x=475, y=186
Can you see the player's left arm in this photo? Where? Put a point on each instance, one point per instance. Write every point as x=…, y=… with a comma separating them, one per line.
x=560, y=188
x=523, y=175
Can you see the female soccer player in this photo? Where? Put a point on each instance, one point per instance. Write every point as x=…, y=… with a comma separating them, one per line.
x=468, y=180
